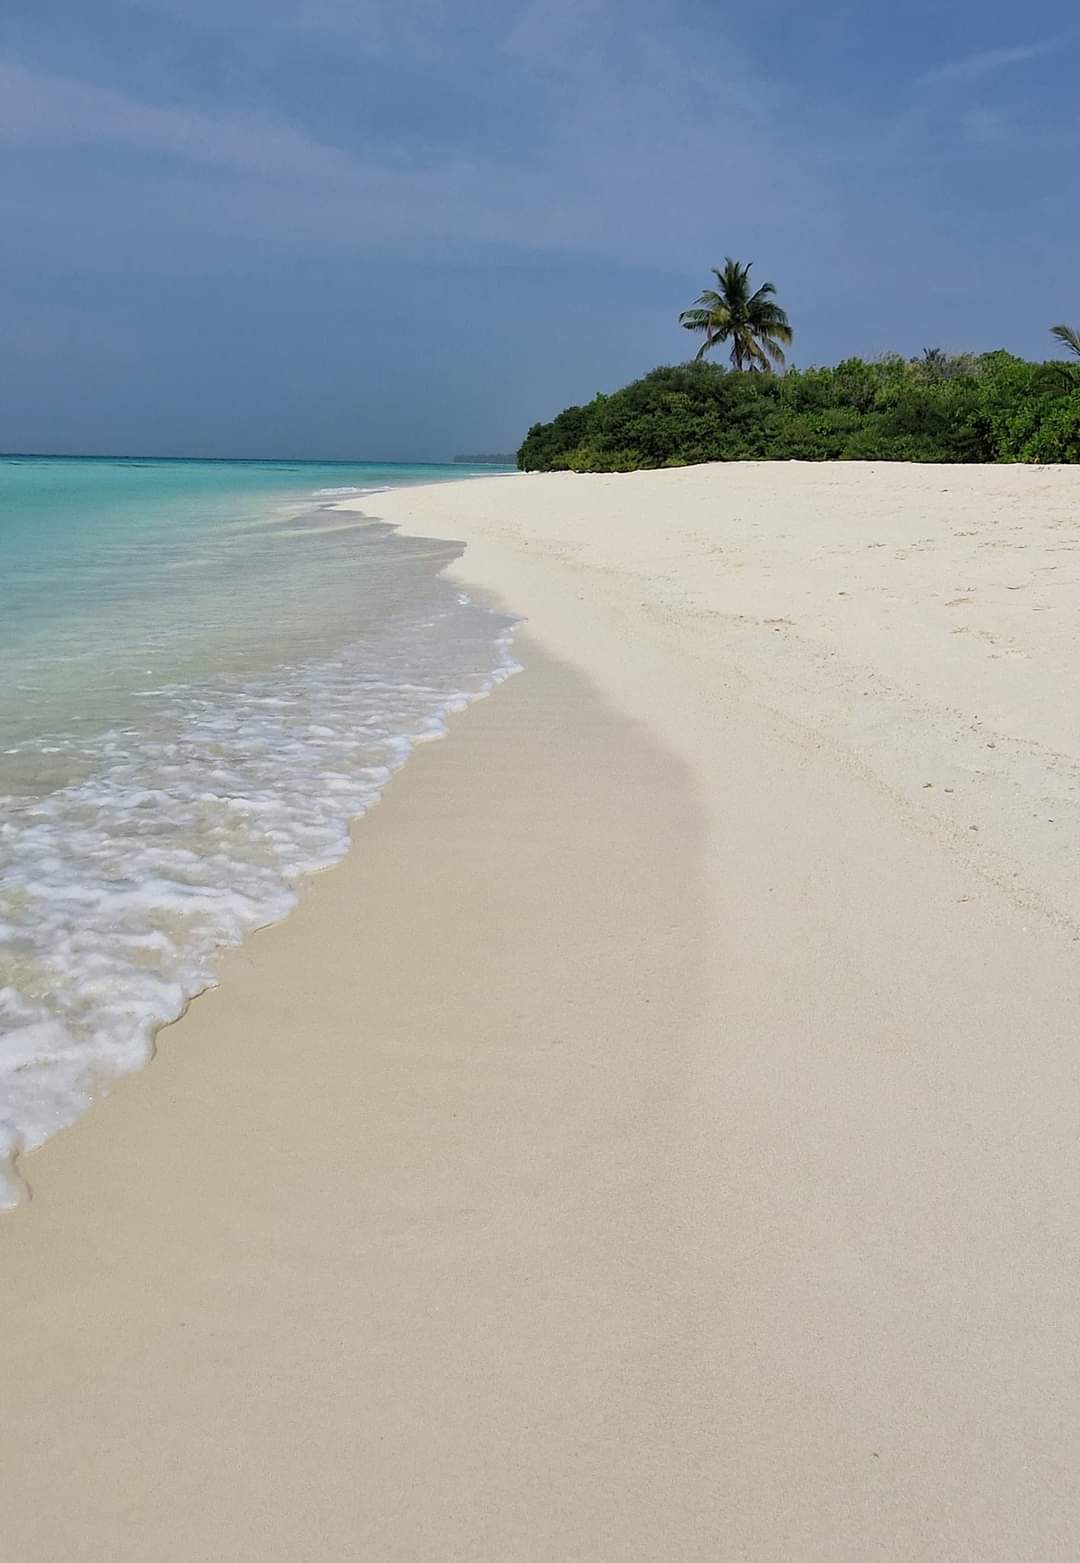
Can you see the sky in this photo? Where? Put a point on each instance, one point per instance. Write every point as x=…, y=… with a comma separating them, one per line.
x=400, y=229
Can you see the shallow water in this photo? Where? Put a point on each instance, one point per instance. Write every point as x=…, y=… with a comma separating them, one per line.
x=207, y=671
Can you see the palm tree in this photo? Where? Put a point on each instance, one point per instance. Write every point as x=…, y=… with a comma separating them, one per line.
x=730, y=312
x=1069, y=336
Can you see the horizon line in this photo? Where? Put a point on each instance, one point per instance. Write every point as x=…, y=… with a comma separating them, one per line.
x=310, y=461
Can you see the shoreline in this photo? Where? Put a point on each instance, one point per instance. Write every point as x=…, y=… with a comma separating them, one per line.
x=169, y=776
x=682, y=1163
x=379, y=1199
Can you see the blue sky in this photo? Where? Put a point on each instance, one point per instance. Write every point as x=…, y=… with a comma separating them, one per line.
x=360, y=228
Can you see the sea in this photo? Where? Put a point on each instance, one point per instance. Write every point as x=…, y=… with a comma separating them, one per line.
x=206, y=671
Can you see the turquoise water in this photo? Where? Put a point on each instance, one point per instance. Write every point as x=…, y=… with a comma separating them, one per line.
x=208, y=668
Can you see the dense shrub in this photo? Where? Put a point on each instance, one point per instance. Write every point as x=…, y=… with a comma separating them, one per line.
x=936, y=408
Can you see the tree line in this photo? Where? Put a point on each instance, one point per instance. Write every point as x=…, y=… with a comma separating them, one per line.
x=943, y=407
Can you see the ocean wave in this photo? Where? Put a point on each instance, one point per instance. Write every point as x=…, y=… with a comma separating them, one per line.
x=347, y=490
x=119, y=891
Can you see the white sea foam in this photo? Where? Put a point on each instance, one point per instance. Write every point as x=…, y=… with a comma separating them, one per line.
x=185, y=834
x=346, y=490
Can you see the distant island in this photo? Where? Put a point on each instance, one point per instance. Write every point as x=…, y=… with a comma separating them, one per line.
x=488, y=460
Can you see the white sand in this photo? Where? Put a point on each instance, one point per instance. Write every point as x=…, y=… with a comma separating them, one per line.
x=921, y=619
x=684, y=1164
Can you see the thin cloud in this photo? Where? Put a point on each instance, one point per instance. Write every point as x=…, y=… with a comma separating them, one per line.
x=985, y=127
x=975, y=66
x=606, y=166
x=426, y=33
x=37, y=109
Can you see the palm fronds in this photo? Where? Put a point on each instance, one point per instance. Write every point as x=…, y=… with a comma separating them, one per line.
x=757, y=329
x=1069, y=336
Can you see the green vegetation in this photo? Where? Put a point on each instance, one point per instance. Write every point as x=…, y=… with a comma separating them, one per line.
x=938, y=407
x=751, y=322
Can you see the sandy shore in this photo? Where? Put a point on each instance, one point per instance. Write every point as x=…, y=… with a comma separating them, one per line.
x=681, y=1161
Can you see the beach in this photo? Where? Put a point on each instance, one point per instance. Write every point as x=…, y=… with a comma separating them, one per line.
x=682, y=1162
